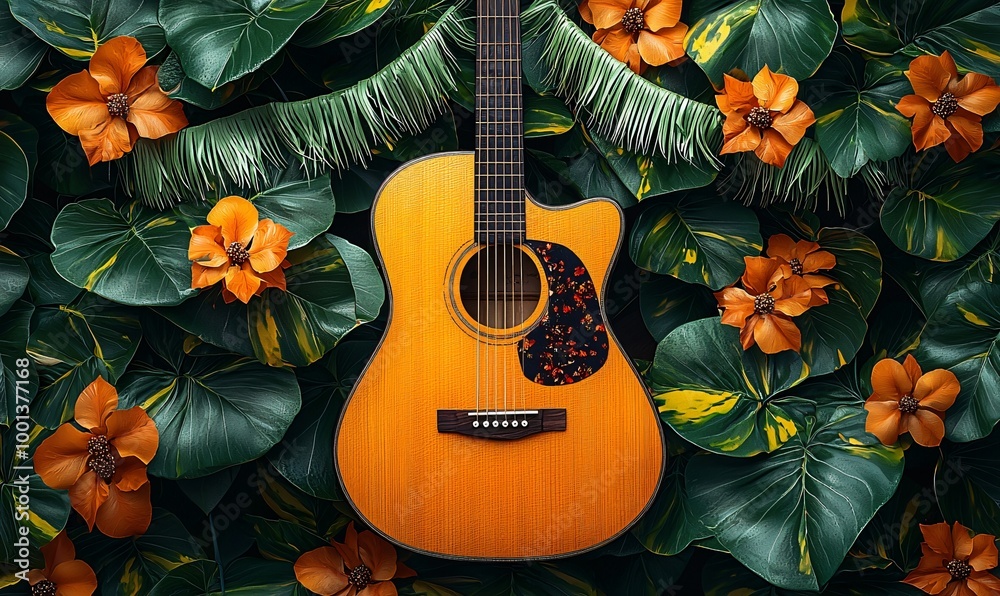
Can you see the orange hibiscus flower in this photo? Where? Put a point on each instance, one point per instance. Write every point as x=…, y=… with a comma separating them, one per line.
x=764, y=307
x=906, y=400
x=638, y=32
x=64, y=574
x=763, y=116
x=115, y=102
x=803, y=259
x=246, y=254
x=954, y=563
x=364, y=564
x=947, y=108
x=104, y=467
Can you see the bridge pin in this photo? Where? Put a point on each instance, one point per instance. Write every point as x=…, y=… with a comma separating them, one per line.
x=475, y=424
x=495, y=424
x=505, y=424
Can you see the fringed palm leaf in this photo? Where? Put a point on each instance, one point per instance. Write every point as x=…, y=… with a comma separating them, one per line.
x=331, y=131
x=617, y=104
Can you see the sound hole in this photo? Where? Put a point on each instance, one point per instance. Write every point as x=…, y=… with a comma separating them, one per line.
x=500, y=286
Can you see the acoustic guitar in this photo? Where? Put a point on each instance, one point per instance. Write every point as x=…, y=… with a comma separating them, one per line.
x=499, y=419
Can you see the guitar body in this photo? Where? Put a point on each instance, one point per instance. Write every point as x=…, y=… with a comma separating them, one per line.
x=549, y=494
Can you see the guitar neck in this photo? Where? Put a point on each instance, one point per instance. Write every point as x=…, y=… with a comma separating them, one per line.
x=499, y=150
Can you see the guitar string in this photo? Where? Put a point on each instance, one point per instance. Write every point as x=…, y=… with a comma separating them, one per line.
x=505, y=194
x=475, y=233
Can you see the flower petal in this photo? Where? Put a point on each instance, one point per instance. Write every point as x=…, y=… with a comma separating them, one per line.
x=662, y=46
x=76, y=103
x=379, y=589
x=775, y=333
x=782, y=246
x=153, y=113
x=206, y=248
x=969, y=127
x=133, y=434
x=236, y=217
x=977, y=93
x=59, y=550
x=983, y=584
x=115, y=63
x=615, y=41
x=270, y=246
x=203, y=277
x=889, y=379
x=321, y=570
x=738, y=305
x=760, y=274
x=74, y=578
x=107, y=142
x=912, y=368
x=883, y=420
x=793, y=124
x=272, y=279
x=792, y=296
x=378, y=555
x=773, y=148
x=938, y=540
x=608, y=13
x=928, y=77
x=96, y=403
x=926, y=427
x=740, y=94
x=937, y=389
x=748, y=140
x=746, y=333
x=242, y=282
x=984, y=552
x=88, y=495
x=909, y=105
x=957, y=147
x=662, y=13
x=61, y=459
x=931, y=581
x=960, y=537
x=349, y=548
x=125, y=513
x=776, y=92
x=130, y=474
x=818, y=260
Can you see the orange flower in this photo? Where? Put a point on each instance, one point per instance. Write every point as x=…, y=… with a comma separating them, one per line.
x=955, y=564
x=638, y=32
x=947, y=108
x=803, y=259
x=764, y=309
x=906, y=400
x=763, y=116
x=246, y=254
x=63, y=575
x=104, y=467
x=115, y=102
x=364, y=565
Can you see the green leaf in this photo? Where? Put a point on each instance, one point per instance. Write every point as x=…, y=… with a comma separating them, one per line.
x=698, y=238
x=856, y=118
x=242, y=576
x=13, y=350
x=282, y=540
x=831, y=333
x=965, y=29
x=14, y=172
x=649, y=176
x=207, y=491
x=77, y=29
x=720, y=397
x=859, y=265
x=219, y=41
x=304, y=456
x=212, y=412
x=946, y=208
x=893, y=537
x=179, y=86
x=136, y=256
x=666, y=303
x=645, y=574
x=319, y=516
x=792, y=515
x=670, y=526
x=21, y=49
x=340, y=18
x=545, y=115
x=967, y=484
x=134, y=565
x=792, y=37
x=13, y=278
x=592, y=174
x=74, y=344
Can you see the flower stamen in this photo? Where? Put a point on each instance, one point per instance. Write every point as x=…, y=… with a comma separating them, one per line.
x=360, y=577
x=908, y=405
x=958, y=569
x=763, y=304
x=796, y=266
x=633, y=20
x=118, y=105
x=44, y=588
x=101, y=460
x=237, y=253
x=945, y=106
x=760, y=118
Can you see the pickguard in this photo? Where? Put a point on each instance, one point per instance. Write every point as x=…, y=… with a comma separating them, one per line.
x=570, y=342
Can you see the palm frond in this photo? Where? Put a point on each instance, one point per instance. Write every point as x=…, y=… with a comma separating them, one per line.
x=330, y=131
x=617, y=104
x=803, y=181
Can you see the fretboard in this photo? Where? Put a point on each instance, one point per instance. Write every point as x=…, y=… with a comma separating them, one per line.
x=499, y=153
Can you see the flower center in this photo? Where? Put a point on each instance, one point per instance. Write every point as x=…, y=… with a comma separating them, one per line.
x=633, y=20
x=360, y=577
x=237, y=253
x=759, y=117
x=958, y=569
x=945, y=106
x=43, y=588
x=908, y=405
x=118, y=105
x=796, y=266
x=763, y=304
x=101, y=461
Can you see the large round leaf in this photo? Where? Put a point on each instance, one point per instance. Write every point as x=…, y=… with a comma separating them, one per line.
x=179, y=86
x=720, y=397
x=699, y=238
x=219, y=41
x=856, y=118
x=967, y=483
x=545, y=115
x=790, y=36
x=21, y=49
x=666, y=303
x=966, y=29
x=14, y=171
x=792, y=515
x=340, y=18
x=74, y=344
x=947, y=208
x=78, y=28
x=136, y=256
x=649, y=176
x=13, y=343
x=13, y=278
x=670, y=525
x=859, y=265
x=212, y=412
x=242, y=576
